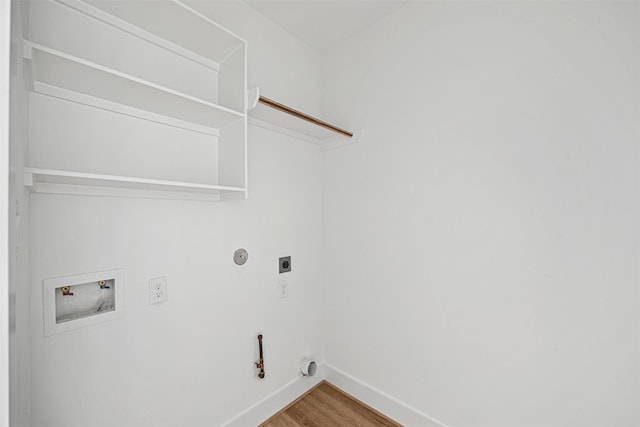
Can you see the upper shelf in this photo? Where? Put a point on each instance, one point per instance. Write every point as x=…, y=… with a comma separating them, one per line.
x=61, y=75
x=167, y=23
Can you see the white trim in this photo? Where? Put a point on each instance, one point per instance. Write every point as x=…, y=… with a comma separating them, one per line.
x=68, y=182
x=380, y=401
x=273, y=403
x=104, y=104
x=325, y=144
x=49, y=287
x=69, y=175
x=210, y=21
x=284, y=131
x=87, y=190
x=5, y=59
x=386, y=404
x=29, y=46
x=245, y=123
x=341, y=141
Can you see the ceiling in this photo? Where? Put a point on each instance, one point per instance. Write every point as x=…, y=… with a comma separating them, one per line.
x=325, y=24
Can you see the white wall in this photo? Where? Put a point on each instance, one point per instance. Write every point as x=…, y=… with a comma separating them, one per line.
x=20, y=285
x=189, y=361
x=481, y=242
x=286, y=69
x=5, y=48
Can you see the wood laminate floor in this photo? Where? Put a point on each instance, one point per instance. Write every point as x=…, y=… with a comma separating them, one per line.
x=327, y=406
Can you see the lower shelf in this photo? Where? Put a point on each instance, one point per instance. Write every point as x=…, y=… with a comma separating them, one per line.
x=66, y=182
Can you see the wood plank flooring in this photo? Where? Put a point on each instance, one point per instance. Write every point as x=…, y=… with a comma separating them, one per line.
x=325, y=406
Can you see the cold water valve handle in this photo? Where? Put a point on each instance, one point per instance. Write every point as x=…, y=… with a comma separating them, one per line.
x=260, y=363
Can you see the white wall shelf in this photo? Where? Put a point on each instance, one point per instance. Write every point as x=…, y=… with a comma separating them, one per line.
x=61, y=75
x=267, y=117
x=162, y=62
x=170, y=24
x=67, y=182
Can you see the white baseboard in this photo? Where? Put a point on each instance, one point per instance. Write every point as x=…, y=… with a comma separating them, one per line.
x=380, y=401
x=261, y=411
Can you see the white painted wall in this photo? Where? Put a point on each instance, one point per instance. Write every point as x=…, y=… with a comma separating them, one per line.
x=189, y=361
x=5, y=48
x=285, y=68
x=19, y=272
x=482, y=242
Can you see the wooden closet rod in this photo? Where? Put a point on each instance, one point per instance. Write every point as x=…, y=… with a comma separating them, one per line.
x=273, y=104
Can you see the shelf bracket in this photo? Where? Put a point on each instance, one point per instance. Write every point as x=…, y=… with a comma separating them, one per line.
x=28, y=179
x=253, y=96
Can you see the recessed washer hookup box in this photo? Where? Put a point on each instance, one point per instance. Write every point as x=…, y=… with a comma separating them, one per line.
x=72, y=302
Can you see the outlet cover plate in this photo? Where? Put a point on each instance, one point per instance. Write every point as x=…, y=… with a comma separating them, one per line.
x=157, y=290
x=283, y=288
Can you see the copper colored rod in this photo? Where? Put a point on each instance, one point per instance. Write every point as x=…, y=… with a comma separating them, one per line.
x=273, y=104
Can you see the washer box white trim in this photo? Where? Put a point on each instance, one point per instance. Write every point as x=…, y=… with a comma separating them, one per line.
x=49, y=287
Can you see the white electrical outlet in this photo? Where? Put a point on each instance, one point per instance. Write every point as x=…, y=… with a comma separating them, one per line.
x=283, y=288
x=157, y=290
